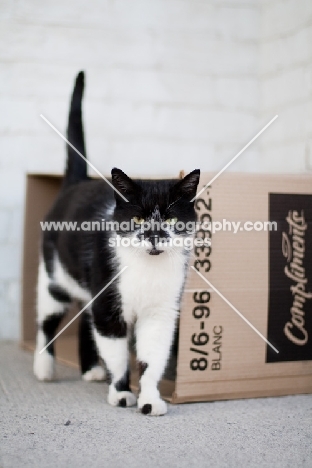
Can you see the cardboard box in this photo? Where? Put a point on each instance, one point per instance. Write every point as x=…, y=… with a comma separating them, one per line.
x=265, y=275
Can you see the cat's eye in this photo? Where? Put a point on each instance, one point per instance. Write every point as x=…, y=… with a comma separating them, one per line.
x=138, y=220
x=171, y=221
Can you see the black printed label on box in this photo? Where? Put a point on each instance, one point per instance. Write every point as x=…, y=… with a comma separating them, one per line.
x=290, y=278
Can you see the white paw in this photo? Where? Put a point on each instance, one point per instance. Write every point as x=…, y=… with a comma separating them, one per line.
x=44, y=366
x=97, y=373
x=154, y=406
x=120, y=398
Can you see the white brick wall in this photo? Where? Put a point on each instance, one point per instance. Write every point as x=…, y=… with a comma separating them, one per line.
x=177, y=83
x=286, y=84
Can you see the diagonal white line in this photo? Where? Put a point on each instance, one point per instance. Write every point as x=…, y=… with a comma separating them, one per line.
x=85, y=307
x=82, y=156
x=235, y=310
x=235, y=157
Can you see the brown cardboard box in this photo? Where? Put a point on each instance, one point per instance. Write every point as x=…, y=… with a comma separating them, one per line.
x=266, y=276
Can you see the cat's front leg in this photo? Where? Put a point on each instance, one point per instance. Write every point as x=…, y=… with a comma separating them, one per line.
x=110, y=333
x=114, y=351
x=154, y=335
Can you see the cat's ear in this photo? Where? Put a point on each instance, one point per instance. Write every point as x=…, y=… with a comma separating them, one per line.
x=123, y=184
x=187, y=186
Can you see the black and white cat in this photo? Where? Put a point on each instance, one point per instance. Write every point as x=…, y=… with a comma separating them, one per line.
x=76, y=265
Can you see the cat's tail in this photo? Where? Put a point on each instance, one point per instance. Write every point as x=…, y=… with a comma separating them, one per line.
x=76, y=166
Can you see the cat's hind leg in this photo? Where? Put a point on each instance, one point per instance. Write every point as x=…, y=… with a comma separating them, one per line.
x=90, y=367
x=52, y=303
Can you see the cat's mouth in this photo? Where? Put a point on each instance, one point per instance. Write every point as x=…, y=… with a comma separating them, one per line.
x=155, y=251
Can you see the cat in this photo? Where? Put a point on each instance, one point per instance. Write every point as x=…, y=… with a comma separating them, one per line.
x=76, y=265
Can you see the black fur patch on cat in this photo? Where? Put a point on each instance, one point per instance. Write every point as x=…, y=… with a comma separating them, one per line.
x=58, y=293
x=88, y=354
x=76, y=169
x=49, y=327
x=146, y=409
x=123, y=384
x=142, y=366
x=112, y=323
x=108, y=377
x=122, y=403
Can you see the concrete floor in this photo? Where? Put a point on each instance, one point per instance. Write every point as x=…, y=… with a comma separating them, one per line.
x=268, y=432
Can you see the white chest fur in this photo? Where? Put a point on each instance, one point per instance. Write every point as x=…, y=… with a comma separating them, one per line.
x=150, y=282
